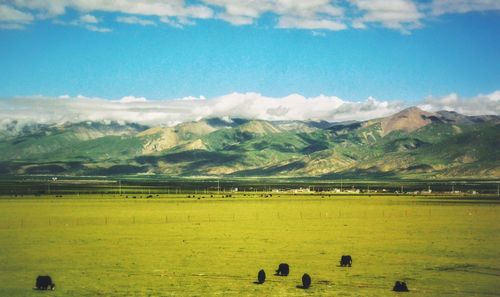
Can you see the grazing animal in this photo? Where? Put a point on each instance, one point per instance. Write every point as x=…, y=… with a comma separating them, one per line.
x=44, y=282
x=345, y=261
x=306, y=281
x=261, y=277
x=400, y=287
x=283, y=269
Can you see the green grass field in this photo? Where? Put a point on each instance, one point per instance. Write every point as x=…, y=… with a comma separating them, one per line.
x=174, y=246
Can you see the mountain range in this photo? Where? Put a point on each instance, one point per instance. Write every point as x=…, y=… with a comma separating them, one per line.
x=409, y=144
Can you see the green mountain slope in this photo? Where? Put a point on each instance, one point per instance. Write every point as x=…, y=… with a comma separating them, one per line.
x=411, y=143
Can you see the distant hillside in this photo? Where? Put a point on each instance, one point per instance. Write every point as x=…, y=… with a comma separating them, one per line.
x=409, y=144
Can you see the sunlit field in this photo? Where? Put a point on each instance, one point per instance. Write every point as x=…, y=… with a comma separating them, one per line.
x=179, y=246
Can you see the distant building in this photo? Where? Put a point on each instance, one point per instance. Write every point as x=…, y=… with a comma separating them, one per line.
x=302, y=190
x=428, y=191
x=356, y=191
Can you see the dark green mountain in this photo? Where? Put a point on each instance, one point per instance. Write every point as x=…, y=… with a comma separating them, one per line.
x=412, y=143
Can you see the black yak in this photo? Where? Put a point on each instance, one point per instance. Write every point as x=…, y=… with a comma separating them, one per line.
x=44, y=282
x=283, y=269
x=306, y=281
x=346, y=261
x=400, y=287
x=261, y=277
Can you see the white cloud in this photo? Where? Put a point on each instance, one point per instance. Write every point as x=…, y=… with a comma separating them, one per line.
x=312, y=14
x=171, y=8
x=311, y=24
x=236, y=105
x=49, y=8
x=176, y=23
x=88, y=18
x=191, y=98
x=10, y=14
x=488, y=104
x=97, y=29
x=135, y=20
x=298, y=107
x=236, y=20
x=86, y=21
x=245, y=9
x=358, y=24
x=11, y=26
x=130, y=99
x=395, y=14
x=170, y=112
x=440, y=7
x=297, y=8
x=11, y=18
x=402, y=15
x=177, y=10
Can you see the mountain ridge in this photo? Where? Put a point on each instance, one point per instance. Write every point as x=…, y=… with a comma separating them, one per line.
x=409, y=143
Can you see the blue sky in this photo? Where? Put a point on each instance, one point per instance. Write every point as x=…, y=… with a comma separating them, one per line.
x=347, y=49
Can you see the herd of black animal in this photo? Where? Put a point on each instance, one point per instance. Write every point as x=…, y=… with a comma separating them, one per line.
x=345, y=261
x=44, y=282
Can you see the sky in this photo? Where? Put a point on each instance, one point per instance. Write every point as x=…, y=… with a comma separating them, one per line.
x=280, y=59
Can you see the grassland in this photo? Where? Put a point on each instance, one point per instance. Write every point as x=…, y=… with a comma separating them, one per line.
x=173, y=246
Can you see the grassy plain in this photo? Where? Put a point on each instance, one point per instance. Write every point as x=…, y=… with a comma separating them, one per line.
x=174, y=246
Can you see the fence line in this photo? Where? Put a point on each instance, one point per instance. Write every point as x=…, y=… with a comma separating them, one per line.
x=179, y=218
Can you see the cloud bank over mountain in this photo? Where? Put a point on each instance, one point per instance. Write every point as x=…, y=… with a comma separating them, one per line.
x=478, y=105
x=53, y=110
